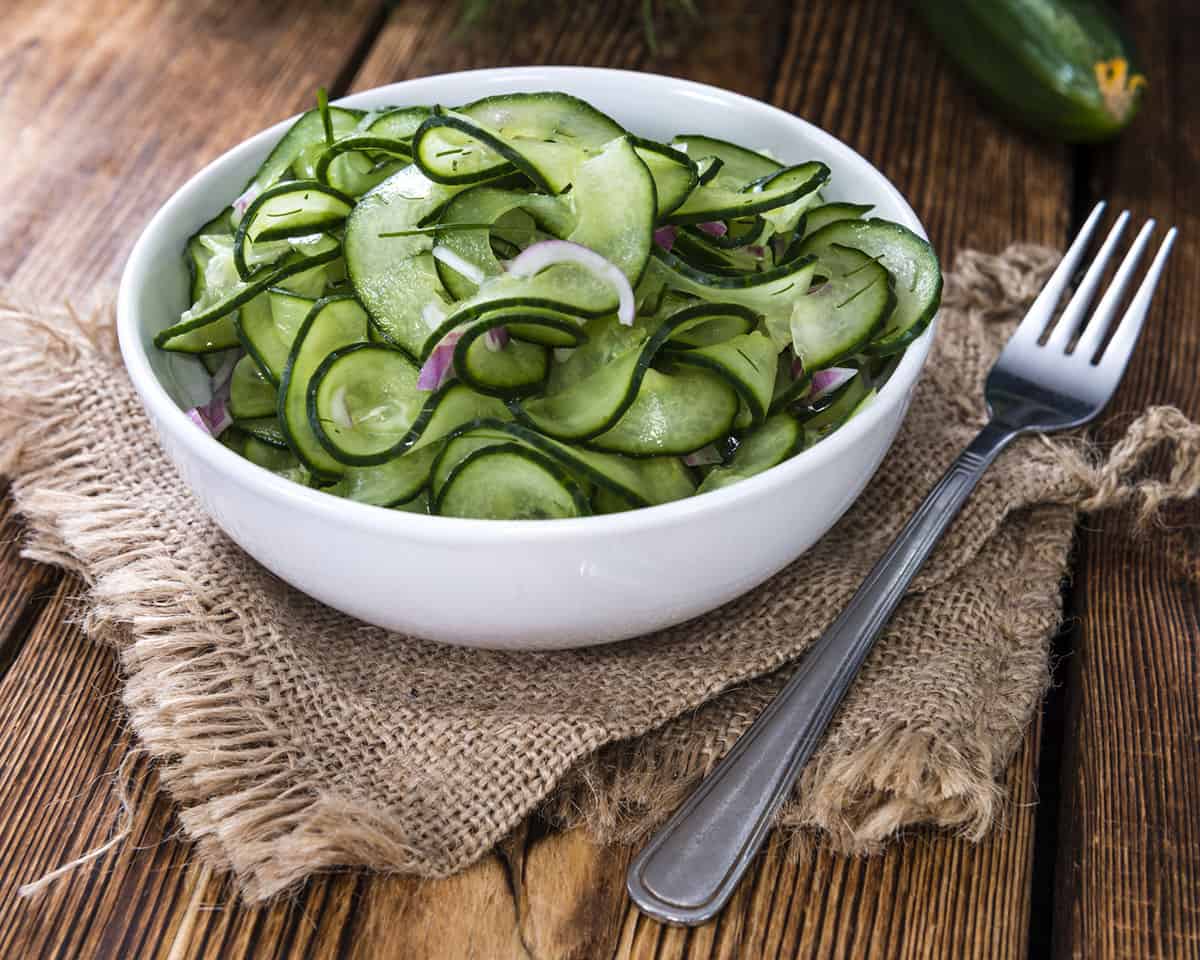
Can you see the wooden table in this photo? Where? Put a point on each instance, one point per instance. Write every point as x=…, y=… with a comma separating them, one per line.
x=106, y=106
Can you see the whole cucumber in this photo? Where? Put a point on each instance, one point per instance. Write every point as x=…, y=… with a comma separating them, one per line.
x=1065, y=68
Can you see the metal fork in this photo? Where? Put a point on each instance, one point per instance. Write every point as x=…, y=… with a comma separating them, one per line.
x=692, y=865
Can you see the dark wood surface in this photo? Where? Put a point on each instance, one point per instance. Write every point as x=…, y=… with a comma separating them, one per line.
x=108, y=106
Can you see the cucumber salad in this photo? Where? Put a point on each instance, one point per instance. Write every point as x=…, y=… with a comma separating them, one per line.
x=517, y=309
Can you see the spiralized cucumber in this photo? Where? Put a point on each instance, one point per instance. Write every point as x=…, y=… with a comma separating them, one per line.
x=517, y=309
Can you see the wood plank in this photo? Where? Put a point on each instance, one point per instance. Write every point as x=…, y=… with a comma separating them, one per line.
x=549, y=895
x=111, y=105
x=1128, y=874
x=24, y=586
x=136, y=96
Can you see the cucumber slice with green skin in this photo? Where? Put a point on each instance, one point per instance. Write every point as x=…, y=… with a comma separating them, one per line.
x=317, y=281
x=716, y=323
x=719, y=200
x=544, y=325
x=309, y=129
x=449, y=408
x=624, y=237
x=675, y=175
x=215, y=236
x=835, y=409
x=362, y=402
x=707, y=169
x=459, y=230
x=364, y=408
x=514, y=370
x=399, y=123
x=394, y=276
x=218, y=335
x=911, y=262
x=779, y=438
x=363, y=144
x=748, y=363
x=268, y=455
x=769, y=294
x=593, y=392
x=251, y=394
x=228, y=299
x=554, y=131
x=835, y=320
x=817, y=217
x=292, y=209
x=295, y=209
x=739, y=165
x=266, y=429
x=418, y=504
x=509, y=481
x=267, y=327
x=673, y=414
x=460, y=445
x=394, y=482
x=637, y=483
x=333, y=323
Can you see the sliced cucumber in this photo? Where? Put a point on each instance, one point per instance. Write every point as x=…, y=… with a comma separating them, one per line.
x=817, y=217
x=769, y=294
x=545, y=136
x=266, y=429
x=509, y=481
x=775, y=441
x=333, y=323
x=309, y=129
x=392, y=269
x=911, y=262
x=226, y=299
x=675, y=175
x=720, y=200
x=747, y=363
x=363, y=401
x=739, y=166
x=673, y=414
x=394, y=482
x=366, y=240
x=251, y=393
x=513, y=369
x=834, y=321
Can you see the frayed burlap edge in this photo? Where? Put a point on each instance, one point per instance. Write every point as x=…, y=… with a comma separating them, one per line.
x=243, y=797
x=252, y=810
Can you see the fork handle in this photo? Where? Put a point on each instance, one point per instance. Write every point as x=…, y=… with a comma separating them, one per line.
x=692, y=865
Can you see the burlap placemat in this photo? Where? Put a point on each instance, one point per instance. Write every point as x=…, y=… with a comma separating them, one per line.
x=295, y=739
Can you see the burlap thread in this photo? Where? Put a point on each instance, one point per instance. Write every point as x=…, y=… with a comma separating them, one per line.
x=294, y=739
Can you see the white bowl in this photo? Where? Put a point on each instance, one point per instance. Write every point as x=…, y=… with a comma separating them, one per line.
x=515, y=584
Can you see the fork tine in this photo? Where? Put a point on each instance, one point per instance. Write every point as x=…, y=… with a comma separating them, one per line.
x=1076, y=309
x=1116, y=355
x=1042, y=309
x=1106, y=310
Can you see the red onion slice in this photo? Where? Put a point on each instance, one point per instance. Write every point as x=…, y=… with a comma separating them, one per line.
x=714, y=228
x=665, y=237
x=703, y=456
x=247, y=197
x=440, y=366
x=193, y=414
x=826, y=381
x=538, y=256
x=496, y=338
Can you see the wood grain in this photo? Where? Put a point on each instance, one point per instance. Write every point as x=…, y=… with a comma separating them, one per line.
x=1128, y=876
x=862, y=70
x=108, y=106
